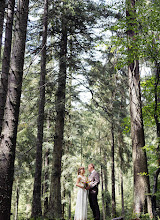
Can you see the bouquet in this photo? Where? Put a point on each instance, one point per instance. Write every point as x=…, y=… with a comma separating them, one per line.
x=86, y=184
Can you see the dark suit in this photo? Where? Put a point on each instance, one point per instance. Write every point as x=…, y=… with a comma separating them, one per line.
x=93, y=192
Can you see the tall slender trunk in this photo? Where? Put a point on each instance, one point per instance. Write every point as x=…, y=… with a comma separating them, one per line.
x=17, y=202
x=156, y=113
x=10, y=124
x=108, y=200
x=69, y=206
x=2, y=10
x=103, y=199
x=36, y=203
x=6, y=59
x=55, y=207
x=102, y=181
x=113, y=172
x=69, y=144
x=122, y=194
x=120, y=144
x=81, y=145
x=46, y=174
x=46, y=184
x=141, y=177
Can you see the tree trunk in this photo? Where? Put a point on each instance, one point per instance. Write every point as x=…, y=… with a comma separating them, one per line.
x=10, y=124
x=156, y=113
x=2, y=11
x=108, y=200
x=46, y=177
x=69, y=207
x=122, y=194
x=103, y=200
x=102, y=182
x=120, y=144
x=155, y=185
x=113, y=173
x=46, y=174
x=141, y=177
x=55, y=207
x=6, y=59
x=17, y=201
x=36, y=203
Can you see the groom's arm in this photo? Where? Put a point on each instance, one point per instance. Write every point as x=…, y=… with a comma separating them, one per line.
x=96, y=180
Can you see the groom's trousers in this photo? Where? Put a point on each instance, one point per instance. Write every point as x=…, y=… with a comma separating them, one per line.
x=94, y=203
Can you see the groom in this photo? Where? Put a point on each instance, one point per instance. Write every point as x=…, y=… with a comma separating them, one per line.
x=93, y=191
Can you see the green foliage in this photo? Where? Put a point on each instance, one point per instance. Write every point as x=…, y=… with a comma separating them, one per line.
x=126, y=125
x=87, y=136
x=148, y=88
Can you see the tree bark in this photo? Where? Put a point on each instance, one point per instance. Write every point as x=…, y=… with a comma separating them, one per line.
x=156, y=113
x=55, y=207
x=69, y=206
x=10, y=124
x=2, y=11
x=36, y=203
x=120, y=144
x=122, y=194
x=102, y=181
x=113, y=172
x=108, y=199
x=103, y=199
x=46, y=177
x=17, y=202
x=6, y=59
x=141, y=177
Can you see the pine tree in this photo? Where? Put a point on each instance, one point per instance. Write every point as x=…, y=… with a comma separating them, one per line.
x=9, y=130
x=36, y=204
x=55, y=207
x=6, y=59
x=72, y=20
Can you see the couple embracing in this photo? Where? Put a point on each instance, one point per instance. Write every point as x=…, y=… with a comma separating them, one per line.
x=86, y=185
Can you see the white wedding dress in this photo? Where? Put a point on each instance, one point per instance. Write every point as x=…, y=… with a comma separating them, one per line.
x=81, y=203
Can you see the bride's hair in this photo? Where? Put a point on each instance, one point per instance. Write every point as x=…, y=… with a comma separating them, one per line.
x=79, y=170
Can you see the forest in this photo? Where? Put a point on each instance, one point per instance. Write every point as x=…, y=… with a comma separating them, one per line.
x=79, y=84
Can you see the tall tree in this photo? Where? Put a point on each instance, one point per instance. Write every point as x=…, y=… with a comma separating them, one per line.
x=120, y=149
x=36, y=203
x=150, y=32
x=11, y=115
x=107, y=195
x=6, y=59
x=157, y=121
x=73, y=20
x=102, y=186
x=113, y=169
x=2, y=10
x=46, y=180
x=141, y=177
x=17, y=201
x=55, y=208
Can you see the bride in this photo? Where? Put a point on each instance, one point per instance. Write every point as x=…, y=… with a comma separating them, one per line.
x=81, y=203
